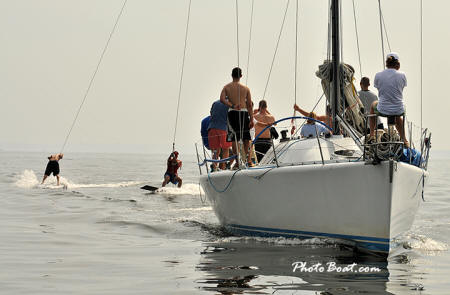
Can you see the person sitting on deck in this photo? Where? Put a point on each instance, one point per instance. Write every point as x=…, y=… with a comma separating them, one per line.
x=312, y=128
x=172, y=167
x=217, y=133
x=390, y=84
x=53, y=167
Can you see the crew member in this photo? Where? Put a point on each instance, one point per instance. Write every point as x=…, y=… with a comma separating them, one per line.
x=240, y=115
x=390, y=84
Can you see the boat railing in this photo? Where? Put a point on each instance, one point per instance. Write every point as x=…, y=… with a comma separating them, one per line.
x=387, y=145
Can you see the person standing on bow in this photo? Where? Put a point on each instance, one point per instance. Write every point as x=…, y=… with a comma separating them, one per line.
x=240, y=115
x=53, y=167
x=263, y=119
x=172, y=170
x=390, y=84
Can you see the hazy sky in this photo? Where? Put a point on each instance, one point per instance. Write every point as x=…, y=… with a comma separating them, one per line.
x=50, y=48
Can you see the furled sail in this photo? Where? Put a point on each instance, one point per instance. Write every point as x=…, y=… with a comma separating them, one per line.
x=352, y=109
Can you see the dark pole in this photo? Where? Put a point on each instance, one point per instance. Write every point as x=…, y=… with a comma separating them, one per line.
x=335, y=93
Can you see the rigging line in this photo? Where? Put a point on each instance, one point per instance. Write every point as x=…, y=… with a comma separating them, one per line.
x=276, y=48
x=249, y=43
x=341, y=33
x=181, y=75
x=357, y=38
x=296, y=51
x=329, y=32
x=237, y=31
x=381, y=32
x=295, y=70
x=94, y=74
x=421, y=64
x=385, y=31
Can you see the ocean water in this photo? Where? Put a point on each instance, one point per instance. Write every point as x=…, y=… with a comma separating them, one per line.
x=98, y=233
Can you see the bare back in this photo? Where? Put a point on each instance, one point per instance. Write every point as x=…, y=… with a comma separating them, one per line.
x=238, y=94
x=263, y=119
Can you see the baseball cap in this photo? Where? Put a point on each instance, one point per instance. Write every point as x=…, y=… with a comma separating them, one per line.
x=394, y=55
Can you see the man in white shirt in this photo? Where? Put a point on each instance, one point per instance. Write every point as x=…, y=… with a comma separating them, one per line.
x=390, y=84
x=367, y=98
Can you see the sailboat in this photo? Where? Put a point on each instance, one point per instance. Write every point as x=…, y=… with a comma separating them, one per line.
x=342, y=187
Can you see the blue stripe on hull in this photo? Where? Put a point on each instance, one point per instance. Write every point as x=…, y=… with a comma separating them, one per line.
x=367, y=243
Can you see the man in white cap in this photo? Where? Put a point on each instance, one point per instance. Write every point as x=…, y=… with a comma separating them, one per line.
x=390, y=84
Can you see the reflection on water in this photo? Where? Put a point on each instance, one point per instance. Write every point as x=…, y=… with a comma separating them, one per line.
x=253, y=267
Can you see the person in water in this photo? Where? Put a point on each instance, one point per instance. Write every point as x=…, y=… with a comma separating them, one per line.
x=53, y=167
x=172, y=167
x=240, y=114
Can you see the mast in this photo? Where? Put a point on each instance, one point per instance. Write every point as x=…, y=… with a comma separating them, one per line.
x=336, y=61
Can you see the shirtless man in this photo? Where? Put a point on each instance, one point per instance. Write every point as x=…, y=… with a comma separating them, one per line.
x=53, y=167
x=263, y=119
x=238, y=98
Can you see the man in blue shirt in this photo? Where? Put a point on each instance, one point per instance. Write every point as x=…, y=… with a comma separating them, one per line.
x=217, y=132
x=311, y=127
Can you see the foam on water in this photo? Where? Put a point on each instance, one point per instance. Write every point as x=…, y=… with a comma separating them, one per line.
x=424, y=243
x=279, y=240
x=28, y=179
x=192, y=189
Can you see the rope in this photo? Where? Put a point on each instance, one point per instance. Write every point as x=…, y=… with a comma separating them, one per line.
x=237, y=31
x=181, y=75
x=241, y=125
x=276, y=48
x=421, y=64
x=295, y=67
x=386, y=32
x=94, y=74
x=296, y=52
x=249, y=43
x=381, y=32
x=357, y=38
x=226, y=186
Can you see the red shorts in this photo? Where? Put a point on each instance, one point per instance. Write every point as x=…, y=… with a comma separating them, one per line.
x=218, y=139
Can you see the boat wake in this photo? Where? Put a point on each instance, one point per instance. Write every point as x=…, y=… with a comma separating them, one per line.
x=422, y=243
x=28, y=179
x=192, y=189
x=281, y=241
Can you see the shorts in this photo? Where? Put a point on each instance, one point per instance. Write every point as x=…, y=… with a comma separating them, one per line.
x=217, y=139
x=172, y=177
x=262, y=145
x=52, y=167
x=376, y=111
x=238, y=124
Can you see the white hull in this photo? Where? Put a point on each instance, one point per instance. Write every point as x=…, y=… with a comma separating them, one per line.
x=348, y=200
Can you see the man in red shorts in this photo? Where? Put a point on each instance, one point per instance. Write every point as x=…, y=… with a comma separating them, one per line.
x=217, y=133
x=171, y=174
